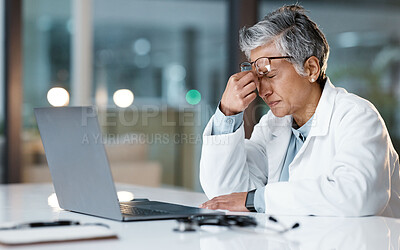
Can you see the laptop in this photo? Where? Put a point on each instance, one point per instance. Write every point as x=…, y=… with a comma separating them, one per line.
x=80, y=170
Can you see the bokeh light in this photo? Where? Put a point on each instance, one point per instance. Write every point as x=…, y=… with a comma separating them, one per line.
x=123, y=98
x=125, y=196
x=52, y=201
x=193, y=97
x=141, y=46
x=176, y=72
x=58, y=97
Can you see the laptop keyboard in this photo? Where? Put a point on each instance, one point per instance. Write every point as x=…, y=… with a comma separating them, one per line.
x=129, y=210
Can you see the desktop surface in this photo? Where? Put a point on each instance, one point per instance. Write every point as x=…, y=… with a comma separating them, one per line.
x=34, y=202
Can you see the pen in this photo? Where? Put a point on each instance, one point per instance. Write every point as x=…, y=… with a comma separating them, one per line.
x=49, y=224
x=42, y=224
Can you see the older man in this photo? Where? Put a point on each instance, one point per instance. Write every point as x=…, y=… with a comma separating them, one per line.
x=319, y=150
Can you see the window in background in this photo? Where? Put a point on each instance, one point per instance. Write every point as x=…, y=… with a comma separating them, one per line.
x=46, y=69
x=159, y=69
x=365, y=51
x=172, y=57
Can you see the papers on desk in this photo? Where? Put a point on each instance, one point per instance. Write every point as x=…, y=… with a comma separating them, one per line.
x=55, y=234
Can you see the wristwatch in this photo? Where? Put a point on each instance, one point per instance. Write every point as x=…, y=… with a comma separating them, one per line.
x=250, y=201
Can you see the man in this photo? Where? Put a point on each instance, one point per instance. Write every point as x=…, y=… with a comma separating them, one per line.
x=319, y=151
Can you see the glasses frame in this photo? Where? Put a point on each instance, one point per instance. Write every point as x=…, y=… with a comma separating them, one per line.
x=255, y=62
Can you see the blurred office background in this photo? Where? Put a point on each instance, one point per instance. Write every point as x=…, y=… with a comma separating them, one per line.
x=156, y=70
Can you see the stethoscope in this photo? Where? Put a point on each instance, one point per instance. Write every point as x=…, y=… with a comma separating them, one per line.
x=195, y=222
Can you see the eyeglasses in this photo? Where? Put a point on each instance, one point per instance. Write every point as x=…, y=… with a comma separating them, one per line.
x=262, y=64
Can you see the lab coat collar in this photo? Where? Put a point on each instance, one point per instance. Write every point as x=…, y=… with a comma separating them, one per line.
x=323, y=113
x=278, y=125
x=321, y=119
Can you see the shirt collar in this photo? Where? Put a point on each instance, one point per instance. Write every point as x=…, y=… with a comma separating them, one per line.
x=304, y=130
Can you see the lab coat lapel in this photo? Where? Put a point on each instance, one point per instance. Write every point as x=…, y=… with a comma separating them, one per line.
x=323, y=113
x=277, y=145
x=322, y=118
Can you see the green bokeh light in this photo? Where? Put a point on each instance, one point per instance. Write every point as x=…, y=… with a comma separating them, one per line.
x=193, y=97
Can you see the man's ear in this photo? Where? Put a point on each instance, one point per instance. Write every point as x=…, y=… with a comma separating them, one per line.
x=312, y=68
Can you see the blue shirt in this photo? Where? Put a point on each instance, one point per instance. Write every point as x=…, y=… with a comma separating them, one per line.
x=225, y=124
x=228, y=124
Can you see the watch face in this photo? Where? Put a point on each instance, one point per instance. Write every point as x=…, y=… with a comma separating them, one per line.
x=250, y=201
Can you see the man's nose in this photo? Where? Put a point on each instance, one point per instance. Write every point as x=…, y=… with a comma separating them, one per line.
x=264, y=87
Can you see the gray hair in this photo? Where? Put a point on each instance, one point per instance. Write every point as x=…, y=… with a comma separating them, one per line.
x=293, y=33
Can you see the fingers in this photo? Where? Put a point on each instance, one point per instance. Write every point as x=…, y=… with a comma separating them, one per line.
x=232, y=202
x=241, y=74
x=238, y=93
x=242, y=79
x=249, y=98
x=216, y=203
x=247, y=94
x=242, y=92
x=248, y=89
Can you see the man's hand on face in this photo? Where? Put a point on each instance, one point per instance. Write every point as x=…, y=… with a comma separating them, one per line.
x=239, y=93
x=232, y=202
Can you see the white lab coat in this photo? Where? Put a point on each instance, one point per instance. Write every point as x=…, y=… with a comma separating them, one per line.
x=346, y=167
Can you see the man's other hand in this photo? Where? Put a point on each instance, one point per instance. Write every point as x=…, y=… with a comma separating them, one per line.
x=232, y=202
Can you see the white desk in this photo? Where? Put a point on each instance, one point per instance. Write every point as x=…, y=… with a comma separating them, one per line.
x=29, y=202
